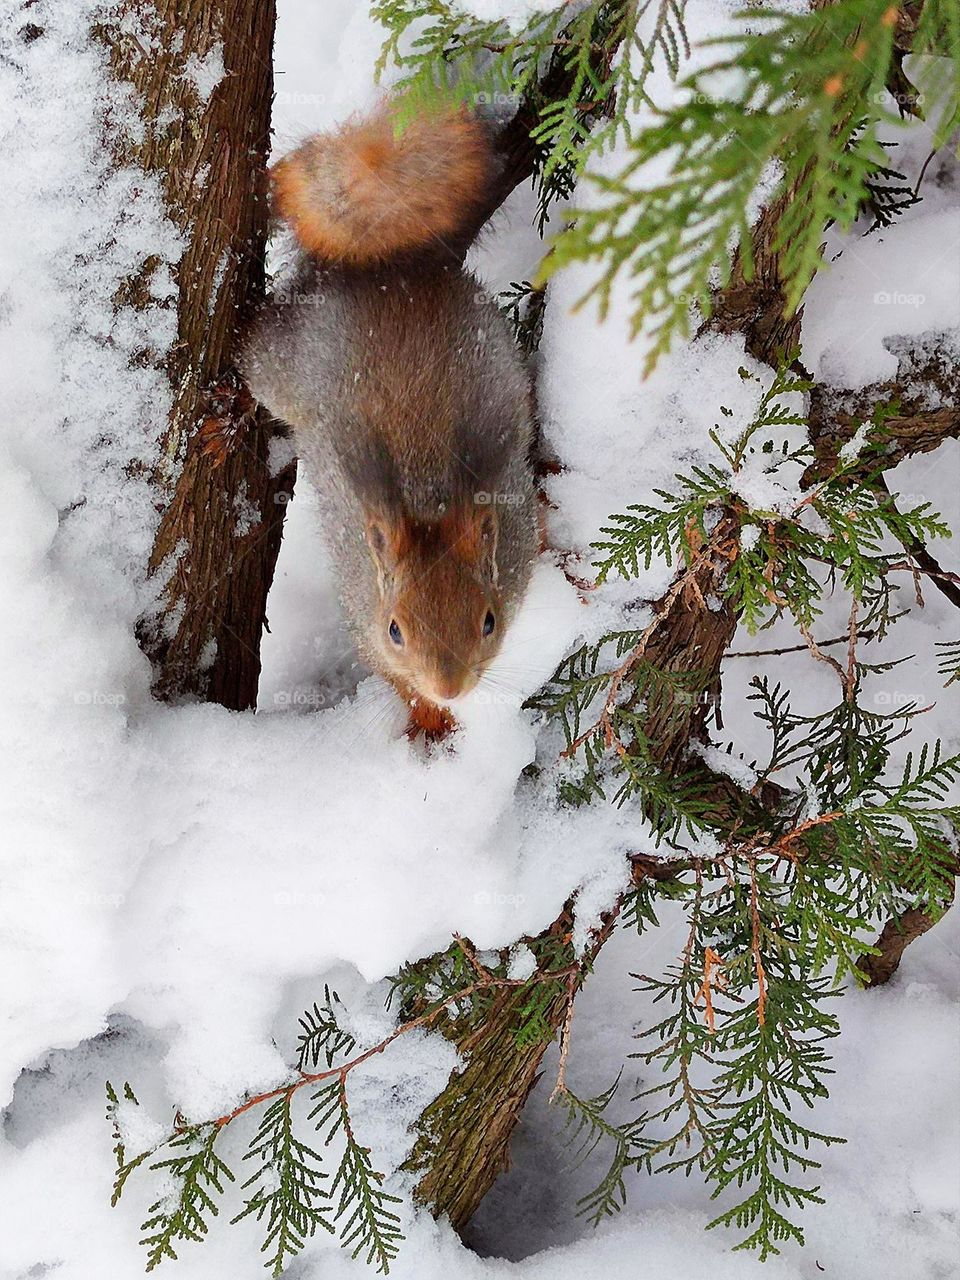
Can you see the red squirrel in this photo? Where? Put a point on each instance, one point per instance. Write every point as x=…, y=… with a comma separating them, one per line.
x=409, y=403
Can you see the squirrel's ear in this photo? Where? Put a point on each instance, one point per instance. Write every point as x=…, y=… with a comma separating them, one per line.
x=384, y=548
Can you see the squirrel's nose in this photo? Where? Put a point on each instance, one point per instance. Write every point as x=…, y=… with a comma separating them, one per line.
x=446, y=689
x=451, y=681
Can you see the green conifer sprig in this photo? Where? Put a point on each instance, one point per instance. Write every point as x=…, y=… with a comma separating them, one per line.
x=587, y=1129
x=198, y=1176
x=288, y=1189
x=368, y=1227
x=791, y=102
x=842, y=524
x=948, y=660
x=791, y=93
x=580, y=70
x=321, y=1034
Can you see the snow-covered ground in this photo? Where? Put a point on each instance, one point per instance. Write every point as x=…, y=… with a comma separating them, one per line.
x=179, y=883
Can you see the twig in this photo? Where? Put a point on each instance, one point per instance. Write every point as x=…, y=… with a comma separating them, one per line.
x=852, y=653
x=821, y=657
x=755, y=946
x=720, y=536
x=923, y=563
x=795, y=648
x=948, y=584
x=341, y=1071
x=895, y=937
x=711, y=961
x=560, y=1087
x=923, y=172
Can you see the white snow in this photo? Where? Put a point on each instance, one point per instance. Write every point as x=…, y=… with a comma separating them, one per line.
x=179, y=882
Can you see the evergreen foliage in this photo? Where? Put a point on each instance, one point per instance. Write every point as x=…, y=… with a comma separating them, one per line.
x=287, y=1186
x=793, y=101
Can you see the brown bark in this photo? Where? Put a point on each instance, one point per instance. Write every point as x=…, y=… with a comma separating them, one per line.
x=222, y=516
x=463, y=1141
x=926, y=375
x=895, y=937
x=757, y=307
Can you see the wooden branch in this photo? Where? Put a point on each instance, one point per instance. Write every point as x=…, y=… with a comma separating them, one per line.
x=925, y=376
x=895, y=937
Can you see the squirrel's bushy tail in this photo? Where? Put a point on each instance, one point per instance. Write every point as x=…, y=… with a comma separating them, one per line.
x=363, y=196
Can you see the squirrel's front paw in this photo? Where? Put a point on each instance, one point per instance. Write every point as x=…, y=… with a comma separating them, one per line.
x=230, y=408
x=426, y=718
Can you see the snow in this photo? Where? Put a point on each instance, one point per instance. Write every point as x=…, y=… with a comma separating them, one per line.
x=730, y=766
x=515, y=13
x=901, y=281
x=179, y=883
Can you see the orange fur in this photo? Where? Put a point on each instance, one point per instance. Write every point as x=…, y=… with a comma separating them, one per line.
x=362, y=195
x=425, y=717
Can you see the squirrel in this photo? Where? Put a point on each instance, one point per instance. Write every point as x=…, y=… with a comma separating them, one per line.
x=409, y=403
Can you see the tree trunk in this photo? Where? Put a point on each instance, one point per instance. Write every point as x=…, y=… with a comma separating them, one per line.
x=202, y=70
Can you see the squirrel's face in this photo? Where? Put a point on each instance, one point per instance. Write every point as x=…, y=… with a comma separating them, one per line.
x=440, y=618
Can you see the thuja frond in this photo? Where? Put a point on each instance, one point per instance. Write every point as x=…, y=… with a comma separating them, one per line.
x=422, y=985
x=287, y=1186
x=124, y=1166
x=287, y=1191
x=321, y=1034
x=195, y=1175
x=674, y=530
x=760, y=1147
x=604, y=694
x=639, y=907
x=888, y=196
x=523, y=305
x=742, y=1046
x=790, y=103
x=948, y=660
x=780, y=109
x=587, y=1129
x=368, y=1226
x=841, y=524
x=532, y=1024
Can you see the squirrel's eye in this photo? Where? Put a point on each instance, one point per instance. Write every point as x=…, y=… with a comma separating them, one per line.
x=396, y=635
x=489, y=623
